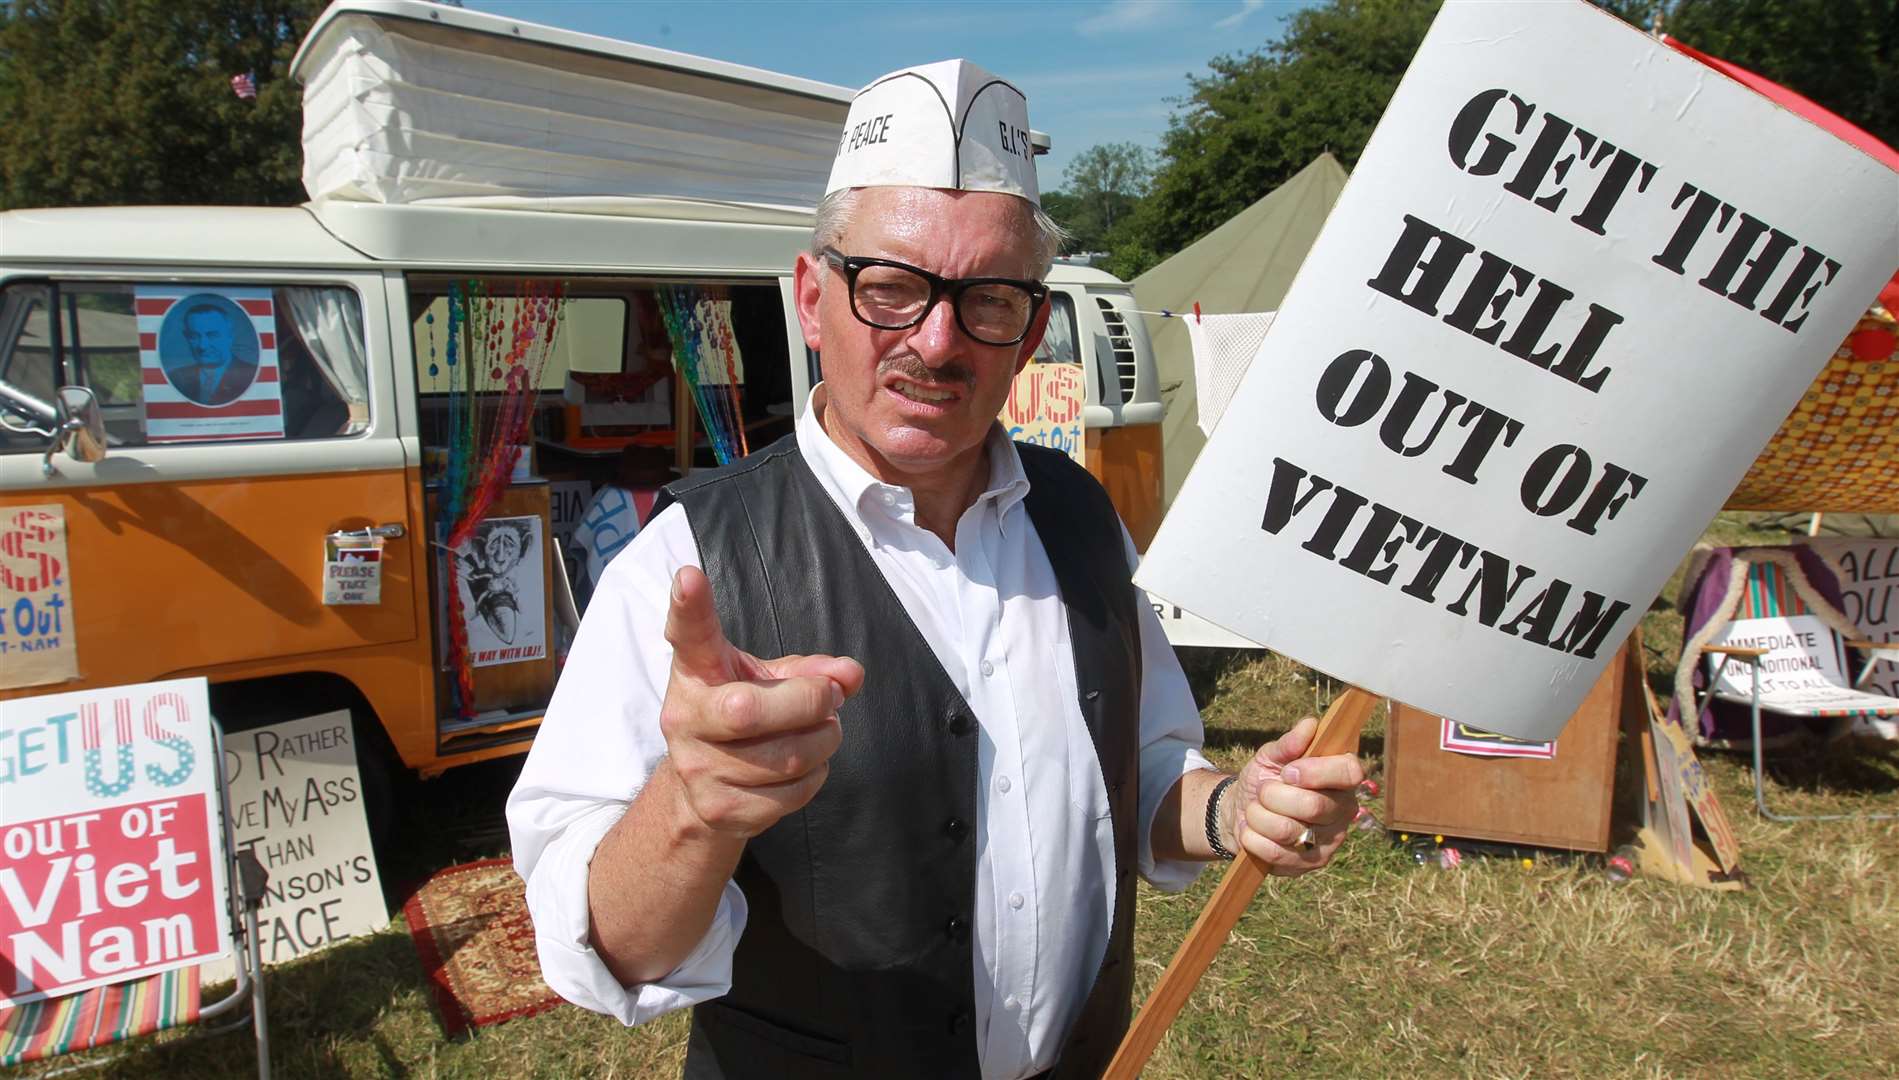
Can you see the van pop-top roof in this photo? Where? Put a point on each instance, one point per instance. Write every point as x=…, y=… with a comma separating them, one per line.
x=406, y=101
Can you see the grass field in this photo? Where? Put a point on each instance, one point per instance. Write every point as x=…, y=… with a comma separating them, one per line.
x=1376, y=967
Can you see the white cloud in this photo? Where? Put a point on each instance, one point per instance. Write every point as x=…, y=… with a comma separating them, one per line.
x=1247, y=7
x=1122, y=77
x=1123, y=15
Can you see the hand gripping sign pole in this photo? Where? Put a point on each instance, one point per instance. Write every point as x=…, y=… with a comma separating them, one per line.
x=1337, y=734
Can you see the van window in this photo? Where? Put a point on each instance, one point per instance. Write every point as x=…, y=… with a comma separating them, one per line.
x=1058, y=344
x=608, y=380
x=27, y=372
x=188, y=362
x=592, y=340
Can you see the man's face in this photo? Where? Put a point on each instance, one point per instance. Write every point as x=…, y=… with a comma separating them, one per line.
x=208, y=336
x=918, y=402
x=503, y=549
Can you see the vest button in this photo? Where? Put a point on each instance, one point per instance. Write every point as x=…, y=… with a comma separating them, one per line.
x=956, y=828
x=961, y=724
x=959, y=1023
x=957, y=928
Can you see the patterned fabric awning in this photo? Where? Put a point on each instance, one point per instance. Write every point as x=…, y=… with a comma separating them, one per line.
x=1839, y=450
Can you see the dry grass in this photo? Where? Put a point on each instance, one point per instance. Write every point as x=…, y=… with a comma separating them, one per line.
x=1375, y=968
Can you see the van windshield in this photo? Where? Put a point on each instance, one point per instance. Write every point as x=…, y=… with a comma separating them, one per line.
x=1058, y=344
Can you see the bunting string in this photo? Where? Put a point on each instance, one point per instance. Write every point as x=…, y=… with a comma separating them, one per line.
x=706, y=356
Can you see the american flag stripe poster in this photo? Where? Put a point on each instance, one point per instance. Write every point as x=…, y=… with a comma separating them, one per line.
x=208, y=360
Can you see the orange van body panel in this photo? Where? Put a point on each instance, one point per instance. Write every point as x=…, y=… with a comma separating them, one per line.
x=222, y=578
x=1127, y=461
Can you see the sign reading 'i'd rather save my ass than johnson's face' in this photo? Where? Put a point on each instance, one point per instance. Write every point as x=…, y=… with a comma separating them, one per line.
x=1573, y=286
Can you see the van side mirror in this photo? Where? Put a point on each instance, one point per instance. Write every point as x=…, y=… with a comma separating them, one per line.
x=80, y=430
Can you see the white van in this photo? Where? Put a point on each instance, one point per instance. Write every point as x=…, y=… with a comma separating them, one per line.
x=441, y=300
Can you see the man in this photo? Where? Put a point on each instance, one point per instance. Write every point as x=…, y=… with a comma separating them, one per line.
x=876, y=812
x=215, y=376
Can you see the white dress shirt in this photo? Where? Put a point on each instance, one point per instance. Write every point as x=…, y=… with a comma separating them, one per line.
x=991, y=613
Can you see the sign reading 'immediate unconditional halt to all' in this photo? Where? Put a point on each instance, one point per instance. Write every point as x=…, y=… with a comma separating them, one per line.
x=1574, y=285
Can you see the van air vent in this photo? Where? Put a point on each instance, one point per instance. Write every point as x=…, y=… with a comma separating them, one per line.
x=1123, y=345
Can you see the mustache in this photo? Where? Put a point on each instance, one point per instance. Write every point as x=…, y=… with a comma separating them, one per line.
x=911, y=366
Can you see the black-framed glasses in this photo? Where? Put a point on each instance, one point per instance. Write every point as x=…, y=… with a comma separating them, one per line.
x=891, y=295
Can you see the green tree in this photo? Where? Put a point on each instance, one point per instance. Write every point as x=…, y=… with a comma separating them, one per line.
x=1259, y=117
x=1108, y=182
x=1066, y=210
x=130, y=101
x=1844, y=54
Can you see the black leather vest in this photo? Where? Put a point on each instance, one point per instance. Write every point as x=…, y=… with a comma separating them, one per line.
x=856, y=960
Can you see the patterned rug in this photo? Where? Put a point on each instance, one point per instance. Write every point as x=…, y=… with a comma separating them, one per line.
x=470, y=925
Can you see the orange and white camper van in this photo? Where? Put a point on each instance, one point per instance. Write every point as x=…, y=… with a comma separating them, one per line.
x=328, y=455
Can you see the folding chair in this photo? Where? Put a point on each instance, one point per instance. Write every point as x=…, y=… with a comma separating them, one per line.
x=113, y=1013
x=1765, y=631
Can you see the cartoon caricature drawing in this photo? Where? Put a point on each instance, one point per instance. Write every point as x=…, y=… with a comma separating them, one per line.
x=487, y=570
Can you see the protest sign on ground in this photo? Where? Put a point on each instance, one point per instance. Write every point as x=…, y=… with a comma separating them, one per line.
x=109, y=830
x=1572, y=288
x=297, y=803
x=1868, y=569
x=1802, y=670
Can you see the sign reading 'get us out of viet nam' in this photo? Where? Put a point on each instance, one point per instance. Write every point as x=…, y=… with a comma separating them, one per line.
x=1573, y=286
x=109, y=831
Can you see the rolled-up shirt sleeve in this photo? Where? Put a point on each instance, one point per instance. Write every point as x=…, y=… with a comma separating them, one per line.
x=1171, y=738
x=597, y=745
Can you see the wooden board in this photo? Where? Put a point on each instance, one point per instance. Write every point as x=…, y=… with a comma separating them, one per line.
x=1563, y=802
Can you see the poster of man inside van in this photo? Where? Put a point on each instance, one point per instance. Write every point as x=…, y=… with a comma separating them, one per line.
x=208, y=358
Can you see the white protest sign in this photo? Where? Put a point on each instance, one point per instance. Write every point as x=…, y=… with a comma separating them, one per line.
x=1573, y=286
x=1868, y=569
x=1801, y=670
x=112, y=868
x=296, y=802
x=1183, y=627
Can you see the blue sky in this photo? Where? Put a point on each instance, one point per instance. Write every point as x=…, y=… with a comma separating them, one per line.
x=1094, y=72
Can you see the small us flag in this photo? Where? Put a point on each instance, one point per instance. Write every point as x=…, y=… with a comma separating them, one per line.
x=245, y=86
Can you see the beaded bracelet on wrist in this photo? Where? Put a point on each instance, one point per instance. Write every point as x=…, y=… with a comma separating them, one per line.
x=1213, y=819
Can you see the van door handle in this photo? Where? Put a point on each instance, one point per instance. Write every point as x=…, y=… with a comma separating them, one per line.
x=391, y=531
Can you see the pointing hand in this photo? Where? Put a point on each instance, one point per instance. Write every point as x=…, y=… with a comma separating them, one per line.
x=750, y=739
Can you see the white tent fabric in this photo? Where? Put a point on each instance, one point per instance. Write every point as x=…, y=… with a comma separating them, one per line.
x=394, y=116
x=1223, y=348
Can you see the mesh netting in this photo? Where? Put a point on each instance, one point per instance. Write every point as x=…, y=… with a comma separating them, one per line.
x=1223, y=347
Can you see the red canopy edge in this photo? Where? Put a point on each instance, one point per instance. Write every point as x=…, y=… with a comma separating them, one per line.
x=1800, y=104
x=1818, y=114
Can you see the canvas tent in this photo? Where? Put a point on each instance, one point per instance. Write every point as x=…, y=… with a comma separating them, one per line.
x=1245, y=265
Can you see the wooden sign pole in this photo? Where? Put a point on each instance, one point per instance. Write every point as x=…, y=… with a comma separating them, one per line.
x=1337, y=734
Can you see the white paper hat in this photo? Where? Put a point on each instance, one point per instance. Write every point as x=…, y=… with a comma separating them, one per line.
x=945, y=125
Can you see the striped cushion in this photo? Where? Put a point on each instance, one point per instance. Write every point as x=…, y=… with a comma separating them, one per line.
x=1770, y=592
x=95, y=1017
